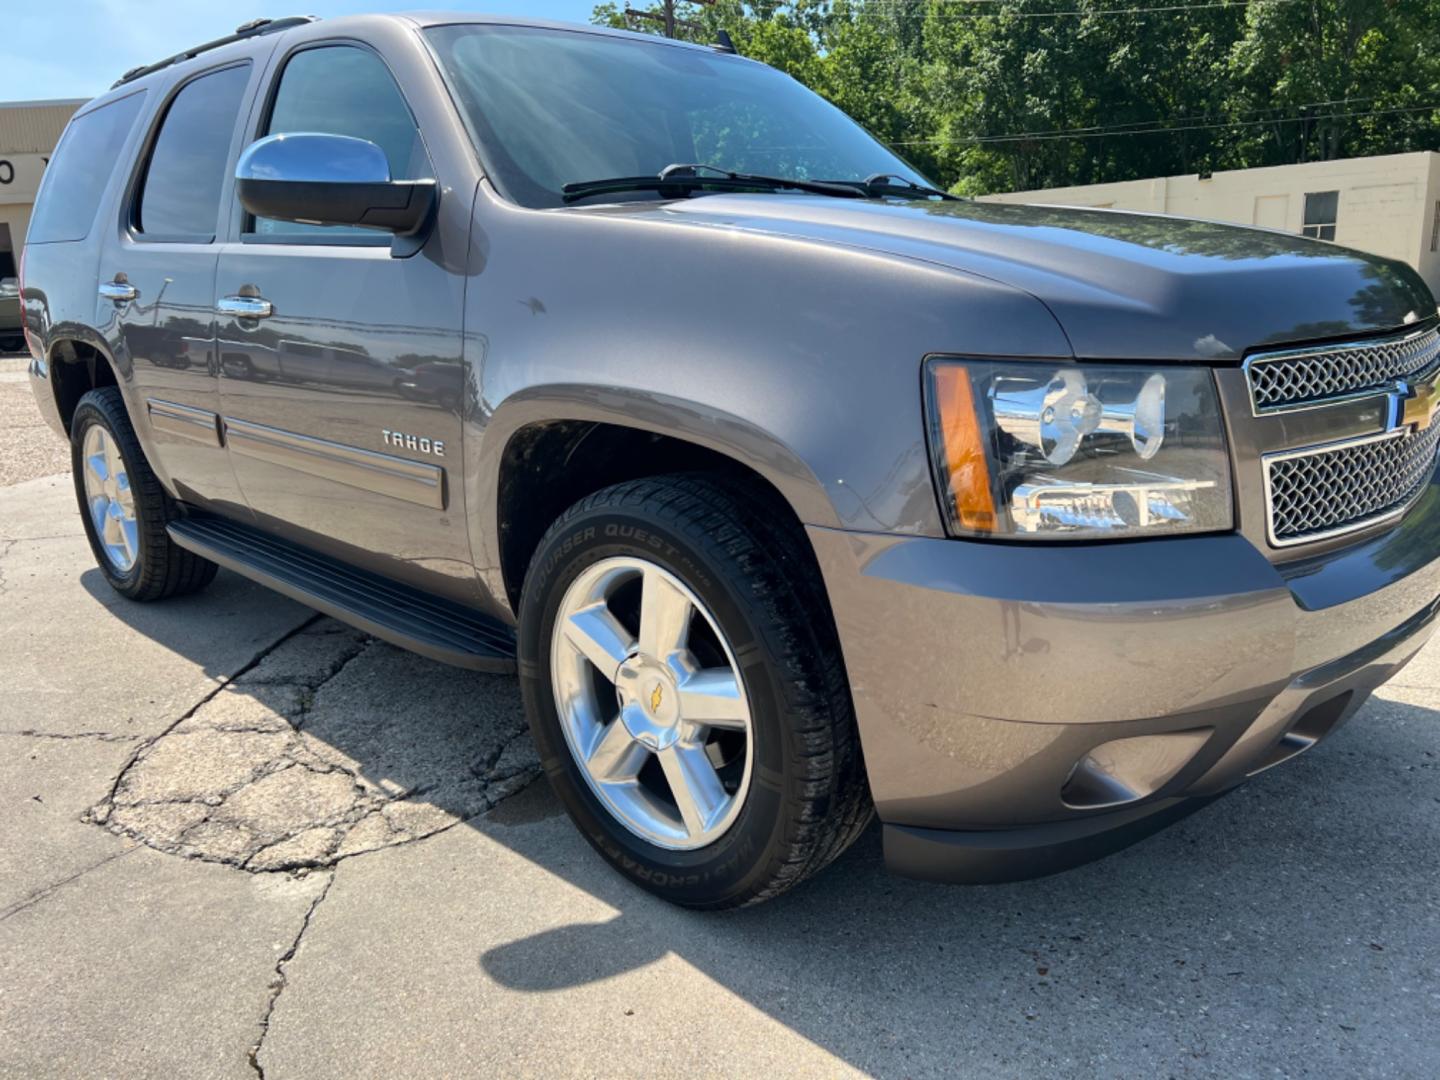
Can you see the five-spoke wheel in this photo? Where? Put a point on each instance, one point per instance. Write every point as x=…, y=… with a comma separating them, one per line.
x=651, y=703
x=125, y=507
x=684, y=685
x=109, y=499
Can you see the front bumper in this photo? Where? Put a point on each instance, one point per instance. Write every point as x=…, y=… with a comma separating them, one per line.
x=1024, y=709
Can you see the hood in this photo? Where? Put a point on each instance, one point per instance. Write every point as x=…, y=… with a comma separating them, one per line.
x=1122, y=285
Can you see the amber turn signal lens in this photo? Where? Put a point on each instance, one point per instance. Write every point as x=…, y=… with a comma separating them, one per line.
x=963, y=448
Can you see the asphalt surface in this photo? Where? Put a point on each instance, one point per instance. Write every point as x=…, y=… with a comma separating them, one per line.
x=241, y=839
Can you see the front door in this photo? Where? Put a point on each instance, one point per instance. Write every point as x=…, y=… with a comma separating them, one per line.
x=157, y=278
x=340, y=353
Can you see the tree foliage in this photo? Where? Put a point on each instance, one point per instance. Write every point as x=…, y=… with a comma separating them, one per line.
x=994, y=95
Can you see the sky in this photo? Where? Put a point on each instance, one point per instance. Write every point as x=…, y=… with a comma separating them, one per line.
x=77, y=48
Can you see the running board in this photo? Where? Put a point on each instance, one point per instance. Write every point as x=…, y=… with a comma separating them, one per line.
x=401, y=614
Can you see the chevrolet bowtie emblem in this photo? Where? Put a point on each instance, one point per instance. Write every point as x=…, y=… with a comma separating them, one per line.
x=656, y=696
x=1417, y=403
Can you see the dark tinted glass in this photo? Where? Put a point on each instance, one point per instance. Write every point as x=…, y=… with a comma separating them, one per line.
x=186, y=175
x=85, y=159
x=551, y=107
x=343, y=90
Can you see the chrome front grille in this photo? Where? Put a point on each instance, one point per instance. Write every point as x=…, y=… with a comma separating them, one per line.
x=1327, y=490
x=1304, y=377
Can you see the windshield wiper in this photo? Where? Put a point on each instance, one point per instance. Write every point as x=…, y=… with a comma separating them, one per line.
x=683, y=179
x=878, y=185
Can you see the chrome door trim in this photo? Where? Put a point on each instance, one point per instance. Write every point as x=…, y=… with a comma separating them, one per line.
x=399, y=478
x=184, y=421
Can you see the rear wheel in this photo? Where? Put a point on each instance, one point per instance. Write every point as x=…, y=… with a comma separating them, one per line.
x=684, y=684
x=124, y=507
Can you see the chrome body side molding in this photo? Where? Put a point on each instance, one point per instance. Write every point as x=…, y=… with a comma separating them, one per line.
x=412, y=481
x=184, y=421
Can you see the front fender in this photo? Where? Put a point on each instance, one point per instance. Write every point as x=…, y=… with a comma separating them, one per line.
x=799, y=359
x=661, y=414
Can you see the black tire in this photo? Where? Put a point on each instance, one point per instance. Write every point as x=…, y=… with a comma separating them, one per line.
x=744, y=557
x=162, y=569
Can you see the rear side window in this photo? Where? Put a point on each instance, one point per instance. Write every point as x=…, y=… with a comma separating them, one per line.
x=180, y=196
x=345, y=90
x=85, y=159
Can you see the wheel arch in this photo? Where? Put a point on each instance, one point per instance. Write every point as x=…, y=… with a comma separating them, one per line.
x=545, y=450
x=76, y=363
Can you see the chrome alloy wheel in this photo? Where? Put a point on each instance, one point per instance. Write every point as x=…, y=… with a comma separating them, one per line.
x=652, y=704
x=111, y=502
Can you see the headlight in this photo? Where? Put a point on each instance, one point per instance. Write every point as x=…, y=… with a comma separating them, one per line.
x=1040, y=450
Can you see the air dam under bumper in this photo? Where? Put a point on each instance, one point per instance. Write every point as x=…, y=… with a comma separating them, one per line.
x=1024, y=709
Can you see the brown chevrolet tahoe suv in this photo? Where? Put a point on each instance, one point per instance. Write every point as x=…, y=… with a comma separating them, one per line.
x=794, y=489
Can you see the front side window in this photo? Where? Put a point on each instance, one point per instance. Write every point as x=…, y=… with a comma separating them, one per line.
x=552, y=107
x=344, y=90
x=82, y=163
x=186, y=175
x=1322, y=211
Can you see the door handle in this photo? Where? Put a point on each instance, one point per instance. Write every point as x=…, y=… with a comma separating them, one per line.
x=119, y=291
x=244, y=307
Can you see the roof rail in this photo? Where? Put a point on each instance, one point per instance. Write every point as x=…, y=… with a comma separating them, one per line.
x=255, y=28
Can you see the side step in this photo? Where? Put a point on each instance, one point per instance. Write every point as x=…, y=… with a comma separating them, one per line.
x=430, y=625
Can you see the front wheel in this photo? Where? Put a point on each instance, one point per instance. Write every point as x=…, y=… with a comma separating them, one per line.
x=684, y=685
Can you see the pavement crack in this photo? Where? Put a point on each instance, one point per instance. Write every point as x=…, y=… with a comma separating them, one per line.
x=109, y=800
x=49, y=890
x=277, y=984
x=98, y=736
x=311, y=691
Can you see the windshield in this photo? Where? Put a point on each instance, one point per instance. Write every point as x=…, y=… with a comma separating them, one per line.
x=553, y=107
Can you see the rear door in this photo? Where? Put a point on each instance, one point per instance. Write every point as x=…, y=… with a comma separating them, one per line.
x=157, y=279
x=340, y=350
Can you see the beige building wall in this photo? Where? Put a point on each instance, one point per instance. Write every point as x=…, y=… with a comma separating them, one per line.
x=1387, y=205
x=29, y=131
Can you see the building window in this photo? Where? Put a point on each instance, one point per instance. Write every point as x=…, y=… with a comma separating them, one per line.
x=1435, y=229
x=1322, y=208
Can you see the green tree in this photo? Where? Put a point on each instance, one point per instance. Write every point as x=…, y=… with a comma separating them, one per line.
x=1322, y=79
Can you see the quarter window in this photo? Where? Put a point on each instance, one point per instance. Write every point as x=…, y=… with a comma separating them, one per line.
x=75, y=179
x=180, y=197
x=344, y=90
x=1322, y=211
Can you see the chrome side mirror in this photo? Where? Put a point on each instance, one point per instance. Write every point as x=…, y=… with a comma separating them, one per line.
x=317, y=179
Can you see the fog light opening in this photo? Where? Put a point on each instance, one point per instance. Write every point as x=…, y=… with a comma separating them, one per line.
x=1124, y=771
x=1309, y=728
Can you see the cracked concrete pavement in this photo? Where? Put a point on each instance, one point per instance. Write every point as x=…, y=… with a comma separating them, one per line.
x=242, y=840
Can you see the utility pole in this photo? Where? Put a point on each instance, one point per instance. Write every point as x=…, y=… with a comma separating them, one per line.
x=667, y=17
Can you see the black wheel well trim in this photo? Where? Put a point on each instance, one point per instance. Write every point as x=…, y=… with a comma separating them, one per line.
x=549, y=465
x=76, y=365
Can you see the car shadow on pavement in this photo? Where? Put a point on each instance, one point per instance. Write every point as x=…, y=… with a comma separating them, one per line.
x=1296, y=912
x=1282, y=913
